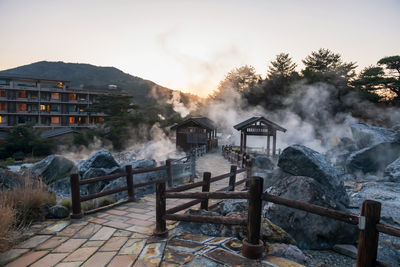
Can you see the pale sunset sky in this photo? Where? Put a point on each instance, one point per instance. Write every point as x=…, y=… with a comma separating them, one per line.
x=190, y=45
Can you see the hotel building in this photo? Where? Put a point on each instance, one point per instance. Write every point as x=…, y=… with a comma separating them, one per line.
x=46, y=103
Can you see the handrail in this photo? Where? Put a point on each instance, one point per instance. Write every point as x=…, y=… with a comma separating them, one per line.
x=208, y=195
x=102, y=178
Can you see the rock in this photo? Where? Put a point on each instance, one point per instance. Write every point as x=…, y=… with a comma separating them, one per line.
x=58, y=212
x=299, y=160
x=366, y=135
x=373, y=159
x=264, y=162
x=310, y=231
x=392, y=171
x=347, y=250
x=270, y=232
x=290, y=252
x=96, y=172
x=100, y=159
x=9, y=180
x=209, y=229
x=227, y=207
x=53, y=168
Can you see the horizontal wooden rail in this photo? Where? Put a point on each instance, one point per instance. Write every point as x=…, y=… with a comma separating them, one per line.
x=241, y=181
x=104, y=193
x=137, y=171
x=183, y=206
x=208, y=195
x=185, y=187
x=149, y=183
x=206, y=219
x=388, y=229
x=322, y=211
x=219, y=177
x=102, y=178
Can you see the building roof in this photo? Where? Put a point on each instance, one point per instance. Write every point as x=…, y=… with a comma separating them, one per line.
x=201, y=121
x=16, y=77
x=253, y=120
x=58, y=132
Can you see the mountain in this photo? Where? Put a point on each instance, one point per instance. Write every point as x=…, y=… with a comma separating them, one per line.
x=92, y=77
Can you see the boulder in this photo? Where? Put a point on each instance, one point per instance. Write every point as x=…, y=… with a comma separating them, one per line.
x=366, y=135
x=100, y=159
x=392, y=171
x=310, y=231
x=9, y=180
x=300, y=160
x=373, y=159
x=58, y=212
x=290, y=252
x=230, y=206
x=264, y=162
x=96, y=172
x=53, y=168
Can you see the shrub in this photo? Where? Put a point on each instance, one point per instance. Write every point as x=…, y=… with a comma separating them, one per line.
x=10, y=160
x=107, y=201
x=8, y=217
x=18, y=155
x=67, y=202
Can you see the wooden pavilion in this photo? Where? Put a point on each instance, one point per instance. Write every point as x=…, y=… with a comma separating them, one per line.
x=195, y=132
x=258, y=126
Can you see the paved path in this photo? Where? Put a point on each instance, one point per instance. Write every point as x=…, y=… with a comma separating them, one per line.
x=122, y=236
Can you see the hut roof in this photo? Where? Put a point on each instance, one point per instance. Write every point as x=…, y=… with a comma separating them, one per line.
x=253, y=120
x=201, y=121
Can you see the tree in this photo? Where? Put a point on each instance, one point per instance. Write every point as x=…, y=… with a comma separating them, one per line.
x=325, y=65
x=369, y=81
x=241, y=80
x=392, y=71
x=282, y=66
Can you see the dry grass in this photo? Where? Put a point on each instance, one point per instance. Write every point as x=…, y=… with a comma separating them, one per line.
x=22, y=205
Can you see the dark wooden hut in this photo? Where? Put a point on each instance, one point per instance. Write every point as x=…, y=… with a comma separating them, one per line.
x=195, y=132
x=258, y=126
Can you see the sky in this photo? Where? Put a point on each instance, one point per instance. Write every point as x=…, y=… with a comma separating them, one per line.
x=190, y=45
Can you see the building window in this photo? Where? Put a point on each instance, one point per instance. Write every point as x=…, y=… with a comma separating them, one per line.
x=82, y=98
x=1, y=119
x=55, y=108
x=55, y=120
x=101, y=119
x=21, y=107
x=2, y=93
x=72, y=120
x=42, y=107
x=55, y=95
x=72, y=96
x=3, y=106
x=21, y=94
x=81, y=110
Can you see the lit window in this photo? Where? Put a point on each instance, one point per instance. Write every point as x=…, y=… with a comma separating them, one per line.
x=42, y=107
x=21, y=94
x=21, y=107
x=59, y=84
x=81, y=110
x=72, y=120
x=72, y=96
x=2, y=93
x=55, y=120
x=3, y=106
x=1, y=119
x=55, y=95
x=101, y=119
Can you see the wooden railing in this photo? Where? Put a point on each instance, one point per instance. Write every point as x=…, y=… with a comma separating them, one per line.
x=368, y=220
x=233, y=153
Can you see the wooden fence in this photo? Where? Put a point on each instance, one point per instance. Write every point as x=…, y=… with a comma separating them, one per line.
x=368, y=220
x=233, y=154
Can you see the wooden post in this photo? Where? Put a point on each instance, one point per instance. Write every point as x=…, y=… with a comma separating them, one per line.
x=192, y=168
x=249, y=166
x=232, y=178
x=274, y=144
x=169, y=172
x=252, y=245
x=369, y=236
x=129, y=183
x=206, y=188
x=241, y=141
x=161, y=225
x=244, y=142
x=268, y=144
x=76, y=197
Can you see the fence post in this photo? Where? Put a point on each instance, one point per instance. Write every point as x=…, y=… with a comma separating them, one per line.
x=232, y=178
x=129, y=183
x=169, y=172
x=249, y=165
x=76, y=197
x=369, y=236
x=252, y=245
x=206, y=188
x=192, y=167
x=161, y=225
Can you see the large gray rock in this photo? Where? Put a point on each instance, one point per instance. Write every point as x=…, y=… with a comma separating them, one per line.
x=53, y=168
x=392, y=171
x=300, y=160
x=264, y=162
x=366, y=135
x=58, y=212
x=9, y=180
x=373, y=159
x=310, y=231
x=100, y=159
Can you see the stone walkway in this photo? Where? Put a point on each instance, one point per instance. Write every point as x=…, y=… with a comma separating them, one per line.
x=122, y=236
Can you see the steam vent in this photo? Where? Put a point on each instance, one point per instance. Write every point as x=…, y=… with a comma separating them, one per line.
x=258, y=126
